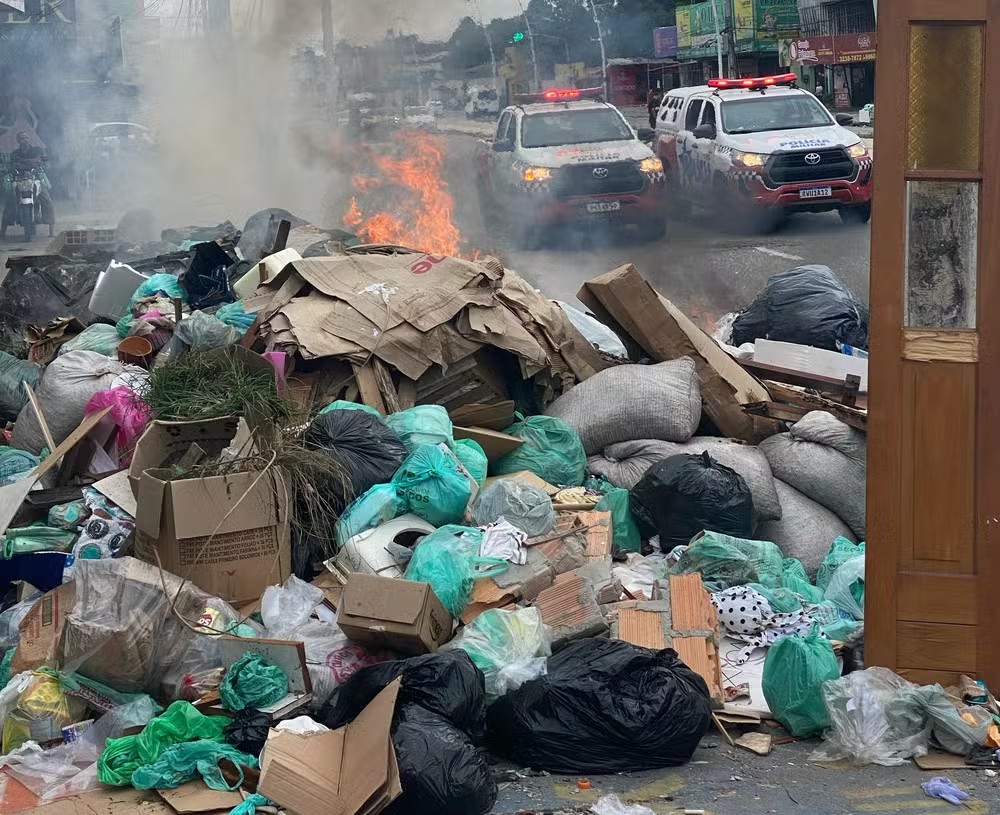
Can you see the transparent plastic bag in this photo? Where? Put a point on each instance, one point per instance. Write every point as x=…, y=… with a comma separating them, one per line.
x=509, y=647
x=613, y=805
x=525, y=506
x=846, y=589
x=184, y=762
x=840, y=552
x=285, y=608
x=863, y=731
x=449, y=561
x=43, y=709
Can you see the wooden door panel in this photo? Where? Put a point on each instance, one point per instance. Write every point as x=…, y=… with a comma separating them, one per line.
x=936, y=646
x=938, y=598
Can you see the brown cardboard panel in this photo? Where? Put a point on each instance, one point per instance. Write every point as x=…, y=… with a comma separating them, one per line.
x=495, y=444
x=195, y=797
x=41, y=629
x=350, y=771
x=493, y=417
x=402, y=615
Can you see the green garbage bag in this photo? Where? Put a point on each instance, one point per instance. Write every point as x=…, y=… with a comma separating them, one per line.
x=552, y=450
x=380, y=504
x=232, y=314
x=795, y=579
x=725, y=561
x=14, y=372
x=473, y=458
x=340, y=404
x=433, y=486
x=166, y=284
x=424, y=424
x=36, y=538
x=846, y=589
x=840, y=552
x=782, y=600
x=625, y=531
x=185, y=762
x=252, y=682
x=449, y=561
x=100, y=338
x=16, y=465
x=794, y=672
x=124, y=325
x=69, y=516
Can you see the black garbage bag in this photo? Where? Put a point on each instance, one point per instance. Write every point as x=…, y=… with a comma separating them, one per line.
x=440, y=769
x=605, y=706
x=369, y=452
x=685, y=495
x=205, y=279
x=440, y=719
x=447, y=684
x=809, y=305
x=248, y=731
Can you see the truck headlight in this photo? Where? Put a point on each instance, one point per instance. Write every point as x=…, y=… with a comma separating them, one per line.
x=532, y=174
x=651, y=166
x=857, y=150
x=748, y=159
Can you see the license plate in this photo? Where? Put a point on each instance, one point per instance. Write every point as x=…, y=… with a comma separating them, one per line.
x=816, y=192
x=604, y=206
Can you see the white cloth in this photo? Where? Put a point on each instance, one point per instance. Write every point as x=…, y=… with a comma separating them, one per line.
x=504, y=541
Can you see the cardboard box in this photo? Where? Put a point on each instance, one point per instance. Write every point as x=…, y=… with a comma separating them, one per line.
x=40, y=630
x=401, y=615
x=228, y=534
x=350, y=771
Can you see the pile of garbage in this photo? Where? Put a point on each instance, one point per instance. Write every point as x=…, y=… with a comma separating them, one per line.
x=325, y=529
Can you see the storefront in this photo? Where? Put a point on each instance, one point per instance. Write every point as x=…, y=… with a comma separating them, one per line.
x=840, y=69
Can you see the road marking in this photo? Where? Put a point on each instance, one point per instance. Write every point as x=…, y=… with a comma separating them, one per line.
x=777, y=254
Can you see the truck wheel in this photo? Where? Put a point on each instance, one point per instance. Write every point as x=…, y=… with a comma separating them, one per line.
x=860, y=214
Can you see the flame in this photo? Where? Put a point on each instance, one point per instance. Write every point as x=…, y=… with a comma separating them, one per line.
x=416, y=207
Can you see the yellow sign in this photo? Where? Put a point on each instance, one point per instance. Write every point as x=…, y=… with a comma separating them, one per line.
x=743, y=12
x=567, y=74
x=684, y=27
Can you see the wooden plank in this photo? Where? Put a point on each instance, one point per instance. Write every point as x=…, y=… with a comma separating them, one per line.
x=924, y=345
x=853, y=416
x=386, y=386
x=667, y=334
x=407, y=393
x=937, y=598
x=936, y=646
x=953, y=10
x=371, y=393
x=823, y=384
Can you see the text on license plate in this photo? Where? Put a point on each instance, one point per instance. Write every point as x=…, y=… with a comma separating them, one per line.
x=604, y=206
x=816, y=192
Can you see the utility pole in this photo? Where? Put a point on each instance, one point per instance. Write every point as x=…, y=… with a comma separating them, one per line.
x=327, y=14
x=731, y=39
x=600, y=39
x=531, y=42
x=718, y=36
x=489, y=43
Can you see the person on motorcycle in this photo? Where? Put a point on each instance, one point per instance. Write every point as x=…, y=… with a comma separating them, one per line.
x=29, y=158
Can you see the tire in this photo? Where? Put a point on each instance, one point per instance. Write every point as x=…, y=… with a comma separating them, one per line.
x=860, y=214
x=28, y=221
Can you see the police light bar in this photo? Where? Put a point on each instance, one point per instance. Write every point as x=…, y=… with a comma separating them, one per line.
x=561, y=95
x=755, y=82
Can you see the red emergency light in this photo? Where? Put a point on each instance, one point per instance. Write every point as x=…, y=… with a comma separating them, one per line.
x=754, y=82
x=561, y=95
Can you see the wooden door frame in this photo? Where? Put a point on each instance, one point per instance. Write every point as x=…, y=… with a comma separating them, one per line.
x=890, y=596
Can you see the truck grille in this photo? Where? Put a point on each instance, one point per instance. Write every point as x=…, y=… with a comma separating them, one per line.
x=792, y=168
x=622, y=177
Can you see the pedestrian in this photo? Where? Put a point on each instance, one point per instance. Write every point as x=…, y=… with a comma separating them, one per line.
x=653, y=100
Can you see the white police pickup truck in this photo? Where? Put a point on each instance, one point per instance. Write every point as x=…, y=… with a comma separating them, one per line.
x=563, y=158
x=756, y=149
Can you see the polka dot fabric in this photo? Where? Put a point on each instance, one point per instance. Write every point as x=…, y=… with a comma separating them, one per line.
x=747, y=617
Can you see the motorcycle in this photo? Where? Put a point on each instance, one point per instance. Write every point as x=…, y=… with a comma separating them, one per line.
x=25, y=204
x=27, y=190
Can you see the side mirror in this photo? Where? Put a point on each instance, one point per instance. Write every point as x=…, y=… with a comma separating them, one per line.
x=705, y=131
x=503, y=146
x=646, y=134
x=844, y=119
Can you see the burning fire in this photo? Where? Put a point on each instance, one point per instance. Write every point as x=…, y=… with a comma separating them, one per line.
x=405, y=200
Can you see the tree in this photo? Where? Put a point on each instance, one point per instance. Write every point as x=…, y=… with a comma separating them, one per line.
x=467, y=47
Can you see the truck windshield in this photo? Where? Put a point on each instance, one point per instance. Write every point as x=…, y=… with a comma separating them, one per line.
x=761, y=113
x=573, y=127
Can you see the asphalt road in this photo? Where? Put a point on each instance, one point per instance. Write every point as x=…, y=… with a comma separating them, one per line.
x=706, y=268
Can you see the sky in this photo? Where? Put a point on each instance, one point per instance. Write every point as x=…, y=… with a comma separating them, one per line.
x=363, y=20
